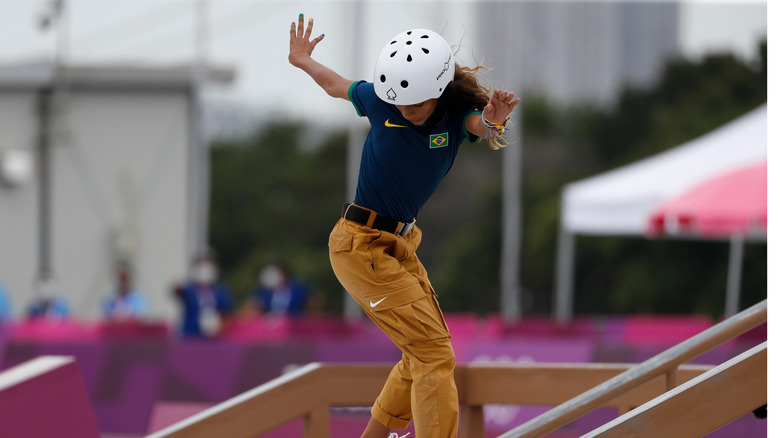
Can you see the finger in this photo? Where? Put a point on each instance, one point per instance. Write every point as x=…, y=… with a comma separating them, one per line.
x=494, y=98
x=309, y=27
x=292, y=32
x=318, y=39
x=300, y=26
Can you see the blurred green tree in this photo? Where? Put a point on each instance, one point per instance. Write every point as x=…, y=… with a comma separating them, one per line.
x=275, y=197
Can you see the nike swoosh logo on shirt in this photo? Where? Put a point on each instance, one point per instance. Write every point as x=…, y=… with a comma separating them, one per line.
x=373, y=304
x=392, y=125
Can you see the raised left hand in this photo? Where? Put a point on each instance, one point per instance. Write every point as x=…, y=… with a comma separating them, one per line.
x=500, y=105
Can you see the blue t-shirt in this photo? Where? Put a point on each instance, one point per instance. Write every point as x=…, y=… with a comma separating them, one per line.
x=402, y=164
x=197, y=298
x=117, y=306
x=290, y=299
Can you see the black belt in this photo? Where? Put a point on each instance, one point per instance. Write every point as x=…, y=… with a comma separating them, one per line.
x=363, y=216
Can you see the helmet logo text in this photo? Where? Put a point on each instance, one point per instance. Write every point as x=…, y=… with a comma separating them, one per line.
x=446, y=67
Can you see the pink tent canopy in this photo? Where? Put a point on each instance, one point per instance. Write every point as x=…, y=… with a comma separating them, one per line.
x=732, y=203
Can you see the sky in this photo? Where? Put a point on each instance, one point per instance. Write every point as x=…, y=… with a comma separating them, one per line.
x=251, y=36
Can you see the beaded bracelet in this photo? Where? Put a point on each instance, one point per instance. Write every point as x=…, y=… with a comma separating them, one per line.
x=494, y=128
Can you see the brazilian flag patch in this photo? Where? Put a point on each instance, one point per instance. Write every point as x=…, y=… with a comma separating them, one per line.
x=438, y=140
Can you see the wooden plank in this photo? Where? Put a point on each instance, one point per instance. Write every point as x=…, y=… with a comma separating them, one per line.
x=700, y=406
x=355, y=384
x=472, y=421
x=551, y=384
x=255, y=411
x=636, y=376
x=316, y=424
x=309, y=388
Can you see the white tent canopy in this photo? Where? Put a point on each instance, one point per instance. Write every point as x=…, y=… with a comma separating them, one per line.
x=620, y=201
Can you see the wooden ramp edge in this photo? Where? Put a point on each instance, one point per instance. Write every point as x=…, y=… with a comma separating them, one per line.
x=701, y=405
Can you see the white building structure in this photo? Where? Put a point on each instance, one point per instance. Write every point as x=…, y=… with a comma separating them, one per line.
x=101, y=165
x=578, y=52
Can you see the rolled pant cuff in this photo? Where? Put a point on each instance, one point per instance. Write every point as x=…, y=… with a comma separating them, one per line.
x=388, y=420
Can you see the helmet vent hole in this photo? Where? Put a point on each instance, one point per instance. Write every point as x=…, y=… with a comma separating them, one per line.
x=408, y=58
x=404, y=84
x=425, y=50
x=409, y=43
x=409, y=32
x=424, y=36
x=439, y=88
x=393, y=42
x=393, y=54
x=382, y=79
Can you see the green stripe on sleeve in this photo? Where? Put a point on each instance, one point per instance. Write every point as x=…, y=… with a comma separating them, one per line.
x=352, y=99
x=469, y=136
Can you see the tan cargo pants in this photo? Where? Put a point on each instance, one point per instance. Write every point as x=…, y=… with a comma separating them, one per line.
x=381, y=271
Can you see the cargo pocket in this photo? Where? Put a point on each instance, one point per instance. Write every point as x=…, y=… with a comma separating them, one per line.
x=396, y=311
x=386, y=257
x=340, y=242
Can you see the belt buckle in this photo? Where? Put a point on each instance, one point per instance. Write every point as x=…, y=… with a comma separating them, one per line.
x=406, y=228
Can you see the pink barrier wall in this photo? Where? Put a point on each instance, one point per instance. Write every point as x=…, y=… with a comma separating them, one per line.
x=45, y=398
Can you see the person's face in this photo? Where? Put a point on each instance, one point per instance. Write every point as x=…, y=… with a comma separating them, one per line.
x=123, y=280
x=418, y=113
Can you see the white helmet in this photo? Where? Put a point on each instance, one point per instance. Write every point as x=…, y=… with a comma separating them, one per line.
x=413, y=67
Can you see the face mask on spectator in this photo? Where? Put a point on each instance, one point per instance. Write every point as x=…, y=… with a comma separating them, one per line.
x=47, y=288
x=204, y=273
x=271, y=277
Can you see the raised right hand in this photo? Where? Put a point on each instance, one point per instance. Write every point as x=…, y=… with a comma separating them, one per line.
x=300, y=45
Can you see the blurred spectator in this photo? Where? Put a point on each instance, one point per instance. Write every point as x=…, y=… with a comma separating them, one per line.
x=5, y=305
x=206, y=301
x=279, y=294
x=125, y=303
x=49, y=302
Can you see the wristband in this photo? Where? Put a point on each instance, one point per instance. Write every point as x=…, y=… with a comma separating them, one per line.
x=494, y=128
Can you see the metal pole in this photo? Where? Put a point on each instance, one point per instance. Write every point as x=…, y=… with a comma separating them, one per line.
x=356, y=132
x=510, y=278
x=352, y=310
x=736, y=251
x=512, y=226
x=564, y=275
x=44, y=182
x=200, y=160
x=51, y=100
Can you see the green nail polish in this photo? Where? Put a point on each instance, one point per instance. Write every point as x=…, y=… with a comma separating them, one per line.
x=300, y=15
